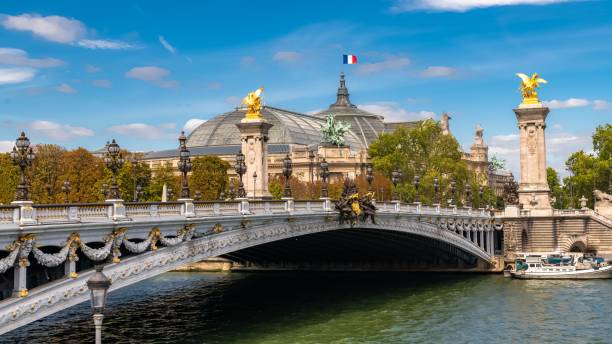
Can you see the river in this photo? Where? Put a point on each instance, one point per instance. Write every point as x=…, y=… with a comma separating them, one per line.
x=292, y=307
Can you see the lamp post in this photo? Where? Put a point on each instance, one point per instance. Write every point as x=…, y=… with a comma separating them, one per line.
x=416, y=183
x=138, y=193
x=369, y=177
x=66, y=188
x=324, y=166
x=98, y=285
x=287, y=170
x=311, y=156
x=453, y=189
x=254, y=183
x=436, y=189
x=114, y=161
x=240, y=171
x=184, y=165
x=468, y=195
x=395, y=178
x=22, y=156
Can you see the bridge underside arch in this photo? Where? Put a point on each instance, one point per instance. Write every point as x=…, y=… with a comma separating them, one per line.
x=355, y=249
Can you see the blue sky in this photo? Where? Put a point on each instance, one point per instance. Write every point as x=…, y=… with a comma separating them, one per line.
x=138, y=71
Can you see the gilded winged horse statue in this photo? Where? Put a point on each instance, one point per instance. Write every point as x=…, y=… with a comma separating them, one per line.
x=253, y=103
x=528, y=87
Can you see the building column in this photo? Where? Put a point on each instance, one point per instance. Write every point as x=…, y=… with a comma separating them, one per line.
x=482, y=243
x=254, y=138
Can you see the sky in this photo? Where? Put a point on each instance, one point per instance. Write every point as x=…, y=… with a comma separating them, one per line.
x=142, y=71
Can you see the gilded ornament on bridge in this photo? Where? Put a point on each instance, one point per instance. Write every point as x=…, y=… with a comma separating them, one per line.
x=352, y=207
x=253, y=103
x=528, y=88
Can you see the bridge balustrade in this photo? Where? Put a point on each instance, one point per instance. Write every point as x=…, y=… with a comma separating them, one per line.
x=7, y=213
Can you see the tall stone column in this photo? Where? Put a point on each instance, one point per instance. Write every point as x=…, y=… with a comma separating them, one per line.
x=254, y=141
x=534, y=193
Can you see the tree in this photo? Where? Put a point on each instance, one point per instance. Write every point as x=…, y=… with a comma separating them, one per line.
x=85, y=173
x=9, y=178
x=590, y=171
x=163, y=175
x=46, y=185
x=131, y=175
x=209, y=176
x=558, y=193
x=425, y=151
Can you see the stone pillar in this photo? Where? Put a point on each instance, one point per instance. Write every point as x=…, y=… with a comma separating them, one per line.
x=481, y=241
x=254, y=138
x=534, y=193
x=20, y=279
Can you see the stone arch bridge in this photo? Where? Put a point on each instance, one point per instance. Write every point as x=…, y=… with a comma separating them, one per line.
x=48, y=257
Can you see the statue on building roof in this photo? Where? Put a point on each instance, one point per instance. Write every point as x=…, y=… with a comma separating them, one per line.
x=253, y=103
x=333, y=131
x=444, y=124
x=478, y=140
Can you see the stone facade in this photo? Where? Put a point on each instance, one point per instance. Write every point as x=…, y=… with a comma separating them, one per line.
x=254, y=138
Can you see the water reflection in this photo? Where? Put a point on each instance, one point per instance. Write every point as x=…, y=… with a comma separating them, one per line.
x=338, y=308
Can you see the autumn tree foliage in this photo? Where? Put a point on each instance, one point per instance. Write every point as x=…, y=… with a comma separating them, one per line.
x=209, y=176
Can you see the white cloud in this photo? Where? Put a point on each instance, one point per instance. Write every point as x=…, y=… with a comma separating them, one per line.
x=65, y=88
x=103, y=44
x=91, y=68
x=601, y=105
x=566, y=104
x=394, y=113
x=505, y=138
x=53, y=28
x=102, y=83
x=461, y=5
x=167, y=45
x=16, y=75
x=192, y=124
x=6, y=146
x=152, y=74
x=146, y=131
x=59, y=30
x=57, y=131
x=287, y=56
x=18, y=57
x=438, y=72
x=389, y=64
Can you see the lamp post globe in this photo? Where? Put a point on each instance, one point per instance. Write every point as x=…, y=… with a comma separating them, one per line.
x=114, y=161
x=287, y=171
x=369, y=176
x=184, y=165
x=23, y=157
x=240, y=169
x=324, y=175
x=98, y=285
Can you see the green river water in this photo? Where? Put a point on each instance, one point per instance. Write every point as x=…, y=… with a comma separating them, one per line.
x=295, y=307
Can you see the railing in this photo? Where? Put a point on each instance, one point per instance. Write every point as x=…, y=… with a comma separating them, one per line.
x=7, y=213
x=70, y=212
x=204, y=208
x=140, y=209
x=229, y=208
x=93, y=211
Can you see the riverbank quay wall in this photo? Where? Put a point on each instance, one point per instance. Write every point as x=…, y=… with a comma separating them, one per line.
x=582, y=230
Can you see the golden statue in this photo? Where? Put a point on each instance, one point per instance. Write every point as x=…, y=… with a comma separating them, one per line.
x=528, y=87
x=253, y=104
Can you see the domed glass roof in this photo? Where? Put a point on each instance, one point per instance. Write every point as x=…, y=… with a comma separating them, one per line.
x=288, y=128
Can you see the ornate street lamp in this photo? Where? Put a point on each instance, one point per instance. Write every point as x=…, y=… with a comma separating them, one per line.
x=98, y=285
x=311, y=156
x=453, y=189
x=468, y=195
x=184, y=165
x=369, y=176
x=138, y=193
x=198, y=195
x=436, y=189
x=287, y=170
x=324, y=167
x=254, y=183
x=66, y=188
x=114, y=161
x=240, y=171
x=22, y=156
x=416, y=183
x=395, y=178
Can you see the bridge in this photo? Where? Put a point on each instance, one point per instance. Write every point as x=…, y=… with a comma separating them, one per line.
x=51, y=249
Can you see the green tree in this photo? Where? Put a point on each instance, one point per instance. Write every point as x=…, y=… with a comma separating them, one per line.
x=9, y=178
x=209, y=176
x=558, y=192
x=131, y=174
x=590, y=171
x=85, y=172
x=165, y=174
x=46, y=185
x=425, y=151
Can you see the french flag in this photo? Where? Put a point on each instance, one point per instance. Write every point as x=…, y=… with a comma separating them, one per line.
x=349, y=59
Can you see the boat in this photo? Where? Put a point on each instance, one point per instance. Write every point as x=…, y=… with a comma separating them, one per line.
x=561, y=267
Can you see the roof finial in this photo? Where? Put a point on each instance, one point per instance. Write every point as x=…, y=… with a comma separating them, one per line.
x=342, y=97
